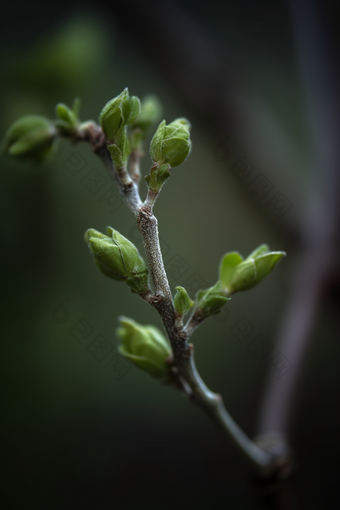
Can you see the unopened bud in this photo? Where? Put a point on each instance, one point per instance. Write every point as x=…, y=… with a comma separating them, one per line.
x=171, y=144
x=120, y=111
x=31, y=138
x=68, y=119
x=210, y=301
x=182, y=301
x=118, y=258
x=146, y=347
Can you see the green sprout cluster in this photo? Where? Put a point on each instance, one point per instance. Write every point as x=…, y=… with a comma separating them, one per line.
x=125, y=122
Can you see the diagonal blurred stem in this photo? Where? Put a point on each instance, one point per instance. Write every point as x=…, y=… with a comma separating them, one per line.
x=319, y=63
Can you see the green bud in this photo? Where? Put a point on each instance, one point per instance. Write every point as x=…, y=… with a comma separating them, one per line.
x=171, y=144
x=156, y=148
x=244, y=276
x=30, y=137
x=210, y=301
x=66, y=114
x=151, y=111
x=157, y=177
x=182, y=301
x=238, y=274
x=117, y=113
x=120, y=150
x=131, y=109
x=68, y=119
x=139, y=283
x=145, y=347
x=118, y=258
x=111, y=116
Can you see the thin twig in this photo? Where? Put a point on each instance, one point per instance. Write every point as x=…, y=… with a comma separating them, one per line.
x=161, y=299
x=210, y=402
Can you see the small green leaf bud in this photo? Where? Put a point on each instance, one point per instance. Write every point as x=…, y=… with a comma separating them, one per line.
x=66, y=114
x=131, y=109
x=118, y=258
x=68, y=119
x=111, y=116
x=156, y=149
x=31, y=138
x=139, y=283
x=145, y=347
x=182, y=301
x=120, y=150
x=238, y=274
x=244, y=276
x=157, y=177
x=210, y=301
x=171, y=144
x=117, y=113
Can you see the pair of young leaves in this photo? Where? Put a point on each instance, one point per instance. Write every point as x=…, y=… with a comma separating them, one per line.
x=237, y=274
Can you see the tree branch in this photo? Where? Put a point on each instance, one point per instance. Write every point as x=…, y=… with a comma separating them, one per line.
x=266, y=462
x=212, y=403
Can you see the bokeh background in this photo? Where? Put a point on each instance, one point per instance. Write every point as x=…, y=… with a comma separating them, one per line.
x=80, y=428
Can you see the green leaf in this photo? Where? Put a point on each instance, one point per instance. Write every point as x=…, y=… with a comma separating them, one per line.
x=156, y=143
x=182, y=301
x=157, y=177
x=120, y=150
x=176, y=151
x=31, y=137
x=108, y=258
x=253, y=270
x=118, y=258
x=132, y=260
x=65, y=114
x=244, y=276
x=145, y=346
x=211, y=301
x=131, y=109
x=139, y=283
x=171, y=144
x=117, y=114
x=260, y=250
x=227, y=268
x=266, y=263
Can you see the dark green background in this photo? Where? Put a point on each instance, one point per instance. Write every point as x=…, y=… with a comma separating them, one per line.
x=76, y=434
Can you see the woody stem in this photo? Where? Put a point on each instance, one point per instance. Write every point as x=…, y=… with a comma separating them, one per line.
x=211, y=403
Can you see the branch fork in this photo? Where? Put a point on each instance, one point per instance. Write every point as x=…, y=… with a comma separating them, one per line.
x=182, y=361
